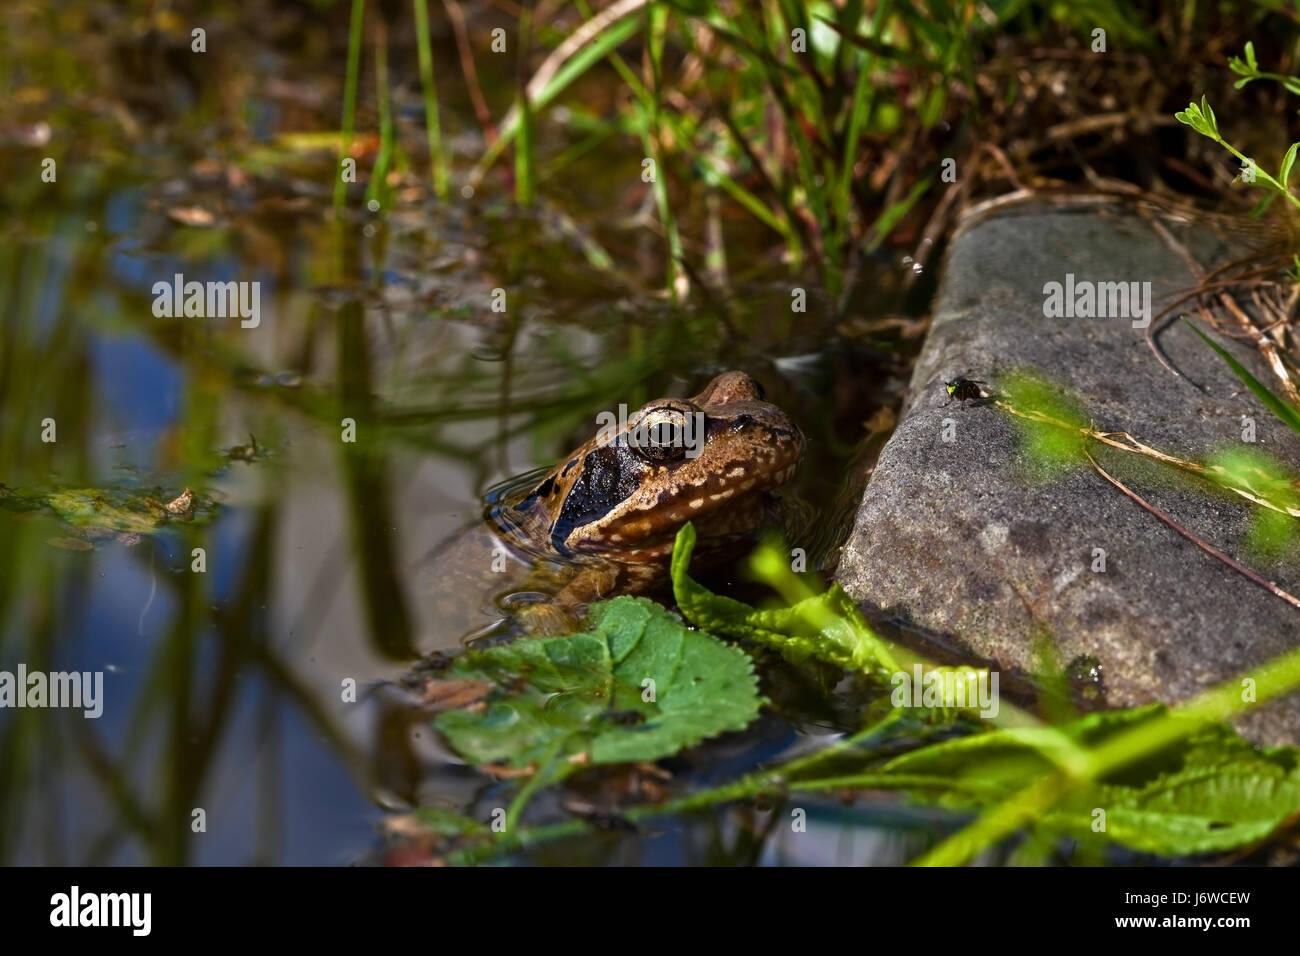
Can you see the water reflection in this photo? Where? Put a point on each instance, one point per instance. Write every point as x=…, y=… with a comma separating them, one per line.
x=250, y=713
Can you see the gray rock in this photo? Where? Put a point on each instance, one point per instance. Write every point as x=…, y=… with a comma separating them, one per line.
x=968, y=539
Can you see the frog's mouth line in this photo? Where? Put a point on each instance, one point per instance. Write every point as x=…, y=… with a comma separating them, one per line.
x=727, y=506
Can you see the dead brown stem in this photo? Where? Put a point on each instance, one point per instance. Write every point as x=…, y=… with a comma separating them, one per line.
x=1200, y=543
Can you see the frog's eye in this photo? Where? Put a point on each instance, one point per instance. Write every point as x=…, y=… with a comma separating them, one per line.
x=665, y=431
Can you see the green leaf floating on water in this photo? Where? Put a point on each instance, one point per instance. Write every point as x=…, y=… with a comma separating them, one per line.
x=560, y=697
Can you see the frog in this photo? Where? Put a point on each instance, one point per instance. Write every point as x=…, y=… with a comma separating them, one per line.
x=602, y=521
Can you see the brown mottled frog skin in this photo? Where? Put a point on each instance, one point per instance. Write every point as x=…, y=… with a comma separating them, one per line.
x=603, y=520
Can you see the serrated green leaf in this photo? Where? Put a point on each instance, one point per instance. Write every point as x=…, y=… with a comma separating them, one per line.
x=1202, y=810
x=1210, y=792
x=583, y=694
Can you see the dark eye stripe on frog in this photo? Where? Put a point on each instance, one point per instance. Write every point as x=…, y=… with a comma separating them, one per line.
x=609, y=475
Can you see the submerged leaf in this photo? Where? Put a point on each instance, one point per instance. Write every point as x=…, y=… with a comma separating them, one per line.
x=446, y=822
x=70, y=544
x=109, y=510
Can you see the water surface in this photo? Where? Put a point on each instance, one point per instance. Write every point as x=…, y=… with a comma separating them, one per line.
x=224, y=690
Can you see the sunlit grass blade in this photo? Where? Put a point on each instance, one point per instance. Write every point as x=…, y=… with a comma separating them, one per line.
x=525, y=166
x=377, y=190
x=349, y=99
x=1288, y=415
x=891, y=216
x=652, y=138
x=433, y=129
x=574, y=64
x=524, y=173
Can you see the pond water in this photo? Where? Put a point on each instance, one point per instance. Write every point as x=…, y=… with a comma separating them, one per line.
x=224, y=736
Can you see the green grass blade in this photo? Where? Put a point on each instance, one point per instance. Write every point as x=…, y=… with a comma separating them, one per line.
x=349, y=99
x=433, y=128
x=378, y=189
x=652, y=137
x=1283, y=410
x=891, y=216
x=578, y=64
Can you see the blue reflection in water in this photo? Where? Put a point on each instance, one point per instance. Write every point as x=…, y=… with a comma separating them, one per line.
x=268, y=773
x=139, y=388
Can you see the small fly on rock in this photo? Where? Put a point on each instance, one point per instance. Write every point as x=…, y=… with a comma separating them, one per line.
x=963, y=390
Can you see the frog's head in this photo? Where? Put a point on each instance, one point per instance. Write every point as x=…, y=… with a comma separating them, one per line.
x=712, y=460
